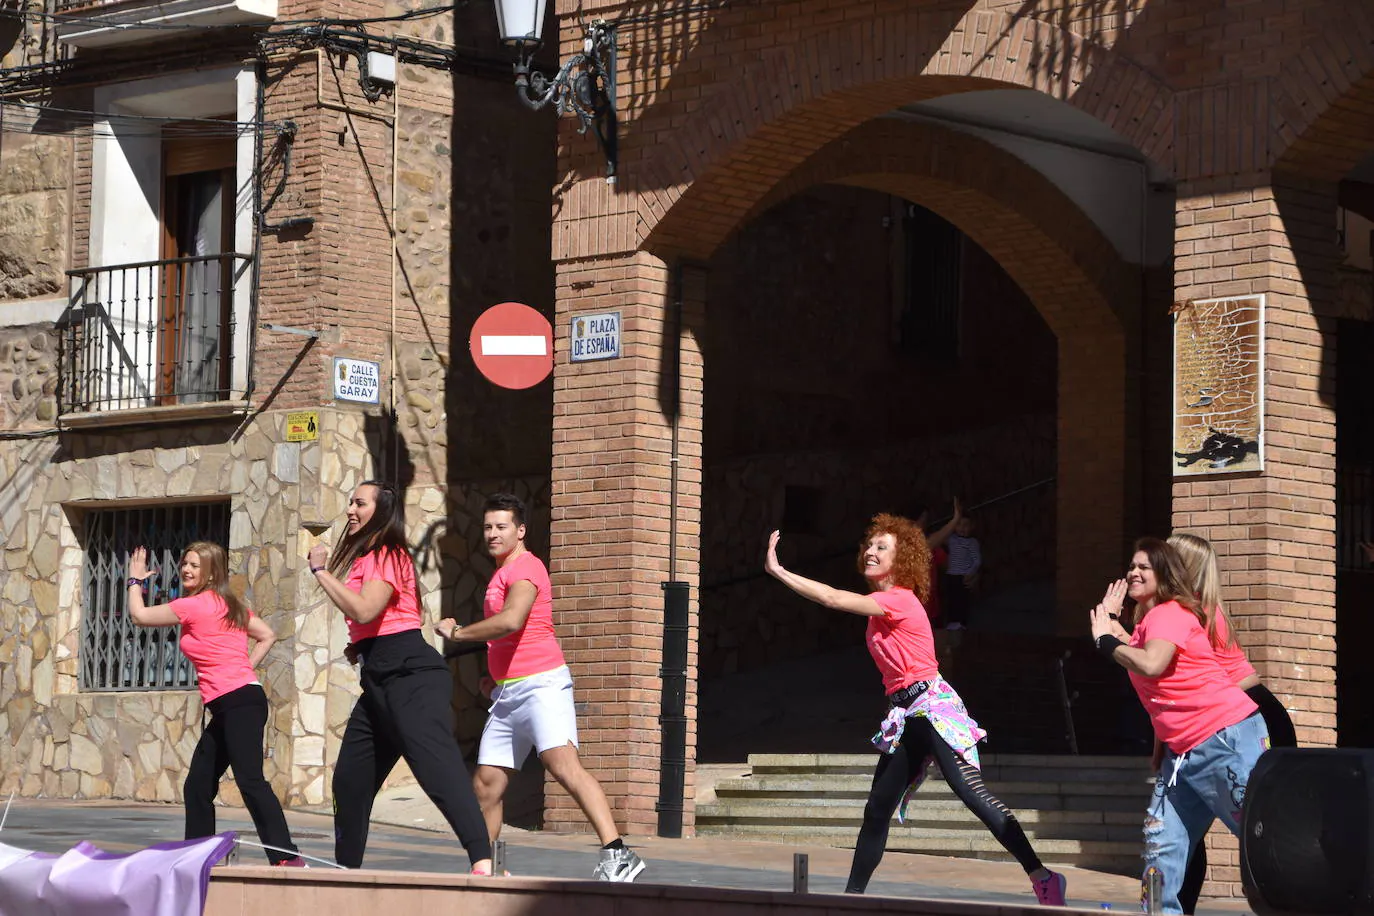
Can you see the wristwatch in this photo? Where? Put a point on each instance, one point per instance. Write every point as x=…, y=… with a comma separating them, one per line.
x=141, y=583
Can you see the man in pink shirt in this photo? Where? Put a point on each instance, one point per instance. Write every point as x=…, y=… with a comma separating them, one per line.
x=532, y=699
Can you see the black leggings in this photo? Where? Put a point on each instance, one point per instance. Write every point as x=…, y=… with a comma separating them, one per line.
x=405, y=711
x=234, y=739
x=898, y=770
x=1281, y=734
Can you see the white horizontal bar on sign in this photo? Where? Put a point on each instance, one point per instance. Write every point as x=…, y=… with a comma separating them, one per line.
x=514, y=345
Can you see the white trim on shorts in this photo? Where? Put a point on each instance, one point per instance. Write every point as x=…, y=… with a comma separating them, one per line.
x=530, y=713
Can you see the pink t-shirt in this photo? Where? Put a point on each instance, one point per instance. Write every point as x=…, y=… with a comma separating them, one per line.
x=1232, y=657
x=533, y=648
x=217, y=648
x=402, y=611
x=900, y=641
x=1193, y=699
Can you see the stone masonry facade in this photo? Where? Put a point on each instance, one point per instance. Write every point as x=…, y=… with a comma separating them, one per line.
x=382, y=273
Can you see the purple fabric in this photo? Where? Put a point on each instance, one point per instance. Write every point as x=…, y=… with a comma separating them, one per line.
x=169, y=879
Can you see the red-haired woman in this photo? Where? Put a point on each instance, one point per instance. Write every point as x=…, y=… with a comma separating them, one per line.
x=926, y=719
x=1211, y=731
x=215, y=628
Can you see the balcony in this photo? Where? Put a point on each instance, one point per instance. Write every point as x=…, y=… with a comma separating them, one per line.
x=88, y=24
x=149, y=341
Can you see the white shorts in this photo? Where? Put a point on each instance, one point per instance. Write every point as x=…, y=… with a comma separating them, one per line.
x=534, y=712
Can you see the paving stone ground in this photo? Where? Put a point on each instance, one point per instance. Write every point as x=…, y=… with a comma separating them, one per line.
x=408, y=835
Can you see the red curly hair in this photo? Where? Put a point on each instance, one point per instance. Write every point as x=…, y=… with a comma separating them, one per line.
x=911, y=567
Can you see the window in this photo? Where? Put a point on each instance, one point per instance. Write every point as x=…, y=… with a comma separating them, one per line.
x=159, y=316
x=928, y=327
x=115, y=653
x=195, y=323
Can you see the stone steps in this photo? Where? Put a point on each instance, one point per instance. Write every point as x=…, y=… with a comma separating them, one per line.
x=1082, y=811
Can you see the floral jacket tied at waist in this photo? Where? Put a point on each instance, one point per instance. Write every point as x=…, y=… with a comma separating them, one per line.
x=941, y=705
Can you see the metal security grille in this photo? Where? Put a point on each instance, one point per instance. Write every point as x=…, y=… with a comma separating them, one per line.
x=116, y=654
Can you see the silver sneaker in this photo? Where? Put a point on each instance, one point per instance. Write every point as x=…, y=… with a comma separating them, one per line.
x=621, y=865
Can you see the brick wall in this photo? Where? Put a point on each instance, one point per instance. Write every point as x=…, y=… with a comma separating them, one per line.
x=1255, y=109
x=610, y=541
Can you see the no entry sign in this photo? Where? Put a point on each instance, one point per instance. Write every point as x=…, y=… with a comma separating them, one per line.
x=512, y=345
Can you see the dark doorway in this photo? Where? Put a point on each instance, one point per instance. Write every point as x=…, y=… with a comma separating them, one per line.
x=1354, y=525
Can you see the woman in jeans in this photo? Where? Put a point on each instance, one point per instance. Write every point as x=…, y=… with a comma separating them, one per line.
x=1211, y=731
x=926, y=719
x=1200, y=566
x=215, y=628
x=405, y=709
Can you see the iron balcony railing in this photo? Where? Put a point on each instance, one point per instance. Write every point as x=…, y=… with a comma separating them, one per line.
x=150, y=334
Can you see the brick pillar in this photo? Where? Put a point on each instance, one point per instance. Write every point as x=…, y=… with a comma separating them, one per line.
x=1274, y=531
x=609, y=535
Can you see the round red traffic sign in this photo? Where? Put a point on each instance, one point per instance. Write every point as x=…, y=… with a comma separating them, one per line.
x=512, y=345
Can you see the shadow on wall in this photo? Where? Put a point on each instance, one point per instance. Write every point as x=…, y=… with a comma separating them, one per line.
x=658, y=41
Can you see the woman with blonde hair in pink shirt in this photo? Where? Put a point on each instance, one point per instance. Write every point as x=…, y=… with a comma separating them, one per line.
x=1200, y=566
x=215, y=628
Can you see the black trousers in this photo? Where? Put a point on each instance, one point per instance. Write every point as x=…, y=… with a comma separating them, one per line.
x=955, y=598
x=896, y=771
x=1281, y=734
x=405, y=711
x=233, y=738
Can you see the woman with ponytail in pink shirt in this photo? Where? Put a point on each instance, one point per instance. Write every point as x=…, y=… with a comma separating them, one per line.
x=215, y=628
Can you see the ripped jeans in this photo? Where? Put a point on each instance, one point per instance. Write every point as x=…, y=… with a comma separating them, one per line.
x=1191, y=789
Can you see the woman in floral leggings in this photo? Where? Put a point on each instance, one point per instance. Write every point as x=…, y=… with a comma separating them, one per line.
x=926, y=719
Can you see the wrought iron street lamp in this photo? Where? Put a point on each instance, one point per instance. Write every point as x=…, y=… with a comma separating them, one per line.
x=583, y=85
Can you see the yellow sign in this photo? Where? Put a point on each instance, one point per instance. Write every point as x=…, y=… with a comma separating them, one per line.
x=303, y=426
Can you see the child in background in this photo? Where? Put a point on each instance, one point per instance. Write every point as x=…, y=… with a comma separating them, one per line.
x=961, y=573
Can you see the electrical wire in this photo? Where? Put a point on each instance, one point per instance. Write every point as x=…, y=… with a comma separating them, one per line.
x=125, y=24
x=42, y=119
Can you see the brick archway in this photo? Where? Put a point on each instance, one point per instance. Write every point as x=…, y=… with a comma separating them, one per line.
x=1087, y=294
x=1044, y=241
x=797, y=98
x=1325, y=96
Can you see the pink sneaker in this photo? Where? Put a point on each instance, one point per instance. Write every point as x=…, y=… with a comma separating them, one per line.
x=294, y=862
x=1049, y=890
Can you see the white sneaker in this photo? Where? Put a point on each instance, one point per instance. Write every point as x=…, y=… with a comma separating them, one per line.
x=619, y=865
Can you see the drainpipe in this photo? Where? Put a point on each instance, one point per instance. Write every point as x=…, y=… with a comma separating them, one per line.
x=672, y=766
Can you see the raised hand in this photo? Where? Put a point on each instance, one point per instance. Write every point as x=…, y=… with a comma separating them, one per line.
x=1114, y=597
x=446, y=627
x=1102, y=622
x=770, y=562
x=318, y=556
x=138, y=564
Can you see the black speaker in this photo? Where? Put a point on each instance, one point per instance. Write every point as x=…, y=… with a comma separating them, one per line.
x=1305, y=837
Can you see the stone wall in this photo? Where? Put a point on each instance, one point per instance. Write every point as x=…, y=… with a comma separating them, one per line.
x=28, y=377
x=35, y=213
x=72, y=743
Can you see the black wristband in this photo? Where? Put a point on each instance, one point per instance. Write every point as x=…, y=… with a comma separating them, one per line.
x=1107, y=644
x=315, y=569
